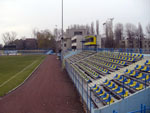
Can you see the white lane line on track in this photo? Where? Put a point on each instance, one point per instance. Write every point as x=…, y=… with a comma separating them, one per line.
x=17, y=74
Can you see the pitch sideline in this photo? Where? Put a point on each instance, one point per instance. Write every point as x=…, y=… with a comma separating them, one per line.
x=17, y=74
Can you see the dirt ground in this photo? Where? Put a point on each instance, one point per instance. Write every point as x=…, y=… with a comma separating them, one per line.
x=48, y=90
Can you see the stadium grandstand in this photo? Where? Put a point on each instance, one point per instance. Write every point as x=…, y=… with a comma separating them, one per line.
x=110, y=82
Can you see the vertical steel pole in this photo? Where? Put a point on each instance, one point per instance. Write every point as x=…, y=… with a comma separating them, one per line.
x=145, y=81
x=108, y=98
x=82, y=90
x=123, y=86
x=62, y=18
x=90, y=100
x=141, y=107
x=87, y=97
x=78, y=82
x=62, y=32
x=144, y=108
x=75, y=81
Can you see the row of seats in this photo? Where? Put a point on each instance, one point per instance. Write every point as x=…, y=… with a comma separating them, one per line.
x=138, y=75
x=118, y=57
x=91, y=72
x=81, y=73
x=117, y=89
x=101, y=69
x=109, y=65
x=107, y=96
x=140, y=72
x=103, y=95
x=129, y=82
x=142, y=68
x=132, y=55
x=123, y=63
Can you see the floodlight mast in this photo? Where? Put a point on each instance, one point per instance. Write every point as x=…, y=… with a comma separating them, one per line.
x=62, y=18
x=62, y=29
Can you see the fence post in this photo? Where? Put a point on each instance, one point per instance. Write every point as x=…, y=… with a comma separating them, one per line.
x=108, y=98
x=90, y=99
x=82, y=90
x=141, y=107
x=144, y=108
x=78, y=82
x=73, y=75
x=74, y=78
x=123, y=86
x=145, y=81
x=87, y=97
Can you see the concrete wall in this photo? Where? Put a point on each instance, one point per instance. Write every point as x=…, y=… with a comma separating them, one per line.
x=70, y=32
x=79, y=43
x=66, y=42
x=129, y=104
x=99, y=42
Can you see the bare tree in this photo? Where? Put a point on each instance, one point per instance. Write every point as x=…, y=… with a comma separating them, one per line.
x=9, y=38
x=109, y=43
x=88, y=29
x=118, y=34
x=131, y=31
x=45, y=39
x=148, y=29
x=140, y=35
x=1, y=46
x=92, y=28
x=57, y=33
x=97, y=27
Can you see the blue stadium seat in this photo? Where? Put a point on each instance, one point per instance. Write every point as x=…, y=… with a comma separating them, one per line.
x=147, y=62
x=133, y=73
x=140, y=76
x=138, y=86
x=95, y=88
x=127, y=71
x=123, y=92
x=145, y=68
x=138, y=67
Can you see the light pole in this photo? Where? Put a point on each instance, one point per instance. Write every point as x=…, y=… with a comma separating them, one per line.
x=62, y=32
x=62, y=18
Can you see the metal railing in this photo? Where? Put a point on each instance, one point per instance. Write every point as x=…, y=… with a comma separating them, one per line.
x=81, y=86
x=127, y=50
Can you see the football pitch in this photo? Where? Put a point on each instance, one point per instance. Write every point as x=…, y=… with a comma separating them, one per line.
x=15, y=69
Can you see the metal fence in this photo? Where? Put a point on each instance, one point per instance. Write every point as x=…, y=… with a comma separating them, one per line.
x=127, y=50
x=82, y=87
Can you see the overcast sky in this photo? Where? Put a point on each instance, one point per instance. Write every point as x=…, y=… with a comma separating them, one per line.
x=22, y=16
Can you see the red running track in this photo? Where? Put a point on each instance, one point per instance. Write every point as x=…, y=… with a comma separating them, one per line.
x=48, y=90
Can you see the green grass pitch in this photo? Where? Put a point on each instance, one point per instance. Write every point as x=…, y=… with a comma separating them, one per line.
x=15, y=69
